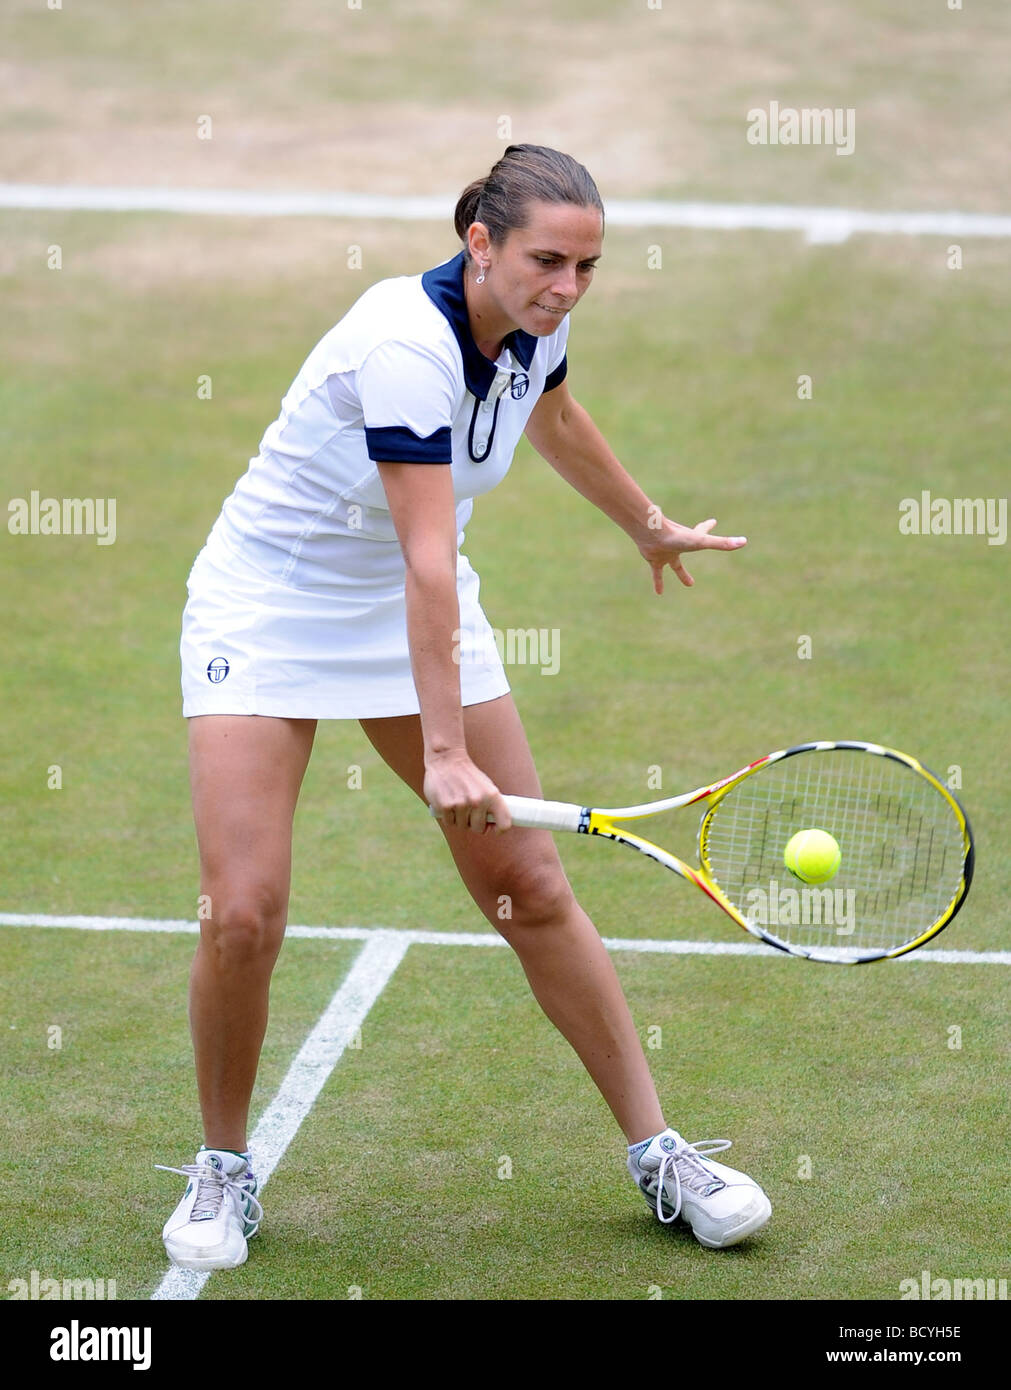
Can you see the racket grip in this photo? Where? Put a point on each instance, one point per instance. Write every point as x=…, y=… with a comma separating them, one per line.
x=530, y=813
x=543, y=815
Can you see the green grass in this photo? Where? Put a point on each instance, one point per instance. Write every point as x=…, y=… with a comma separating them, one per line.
x=397, y=1182
x=438, y=1098
x=409, y=97
x=89, y=1110
x=392, y=1183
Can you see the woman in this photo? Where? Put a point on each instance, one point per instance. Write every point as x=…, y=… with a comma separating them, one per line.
x=332, y=587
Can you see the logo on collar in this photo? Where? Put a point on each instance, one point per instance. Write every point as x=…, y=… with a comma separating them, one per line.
x=520, y=385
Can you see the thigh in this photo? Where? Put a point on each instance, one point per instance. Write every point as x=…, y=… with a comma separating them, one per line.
x=245, y=776
x=522, y=863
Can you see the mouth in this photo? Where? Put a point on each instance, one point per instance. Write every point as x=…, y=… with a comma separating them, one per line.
x=549, y=309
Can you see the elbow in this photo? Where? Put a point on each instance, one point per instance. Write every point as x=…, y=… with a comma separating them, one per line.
x=430, y=565
x=549, y=435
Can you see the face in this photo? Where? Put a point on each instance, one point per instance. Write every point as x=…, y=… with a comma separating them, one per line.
x=542, y=270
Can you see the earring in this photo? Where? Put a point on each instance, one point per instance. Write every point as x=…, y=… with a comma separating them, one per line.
x=480, y=278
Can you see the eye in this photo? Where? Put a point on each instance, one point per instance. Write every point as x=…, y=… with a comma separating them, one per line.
x=545, y=260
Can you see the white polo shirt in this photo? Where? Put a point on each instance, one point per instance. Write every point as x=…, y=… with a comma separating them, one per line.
x=398, y=379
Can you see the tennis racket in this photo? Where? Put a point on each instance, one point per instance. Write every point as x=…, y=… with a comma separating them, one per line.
x=906, y=848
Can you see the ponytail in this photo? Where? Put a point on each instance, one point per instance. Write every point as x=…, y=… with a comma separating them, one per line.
x=466, y=207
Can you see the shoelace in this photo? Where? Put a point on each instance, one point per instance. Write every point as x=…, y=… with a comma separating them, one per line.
x=211, y=1185
x=686, y=1155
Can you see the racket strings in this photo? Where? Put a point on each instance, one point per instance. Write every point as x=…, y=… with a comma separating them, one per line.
x=901, y=843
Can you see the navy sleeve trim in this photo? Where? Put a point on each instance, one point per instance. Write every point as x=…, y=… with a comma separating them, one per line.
x=398, y=444
x=556, y=377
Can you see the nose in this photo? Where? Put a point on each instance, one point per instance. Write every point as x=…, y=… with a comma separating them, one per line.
x=564, y=284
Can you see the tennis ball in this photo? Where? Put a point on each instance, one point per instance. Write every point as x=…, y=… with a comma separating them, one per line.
x=813, y=856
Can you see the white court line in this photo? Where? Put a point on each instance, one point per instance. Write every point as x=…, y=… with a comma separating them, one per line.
x=817, y=224
x=307, y=1075
x=435, y=938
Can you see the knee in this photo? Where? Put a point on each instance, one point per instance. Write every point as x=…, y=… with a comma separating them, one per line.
x=534, y=895
x=243, y=927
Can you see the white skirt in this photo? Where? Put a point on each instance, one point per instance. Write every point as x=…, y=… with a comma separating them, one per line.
x=254, y=645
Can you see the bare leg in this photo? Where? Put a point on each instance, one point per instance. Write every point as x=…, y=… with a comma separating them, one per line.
x=567, y=965
x=245, y=772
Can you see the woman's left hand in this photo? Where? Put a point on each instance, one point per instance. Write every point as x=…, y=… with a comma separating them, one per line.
x=673, y=541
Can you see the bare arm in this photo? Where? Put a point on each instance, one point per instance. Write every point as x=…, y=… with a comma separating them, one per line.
x=563, y=433
x=422, y=505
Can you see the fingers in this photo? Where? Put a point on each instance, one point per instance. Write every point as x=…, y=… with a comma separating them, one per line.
x=500, y=813
x=717, y=542
x=473, y=818
x=467, y=800
x=680, y=541
x=678, y=567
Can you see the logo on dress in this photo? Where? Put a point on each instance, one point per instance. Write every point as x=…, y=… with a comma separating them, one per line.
x=520, y=384
x=217, y=669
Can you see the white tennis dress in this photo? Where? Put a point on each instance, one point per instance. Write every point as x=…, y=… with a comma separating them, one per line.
x=296, y=602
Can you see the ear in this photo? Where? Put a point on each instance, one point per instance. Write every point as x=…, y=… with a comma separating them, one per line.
x=478, y=241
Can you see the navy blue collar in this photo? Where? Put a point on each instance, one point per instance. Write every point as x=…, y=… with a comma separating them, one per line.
x=444, y=287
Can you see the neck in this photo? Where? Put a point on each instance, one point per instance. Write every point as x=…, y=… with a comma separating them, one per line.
x=487, y=326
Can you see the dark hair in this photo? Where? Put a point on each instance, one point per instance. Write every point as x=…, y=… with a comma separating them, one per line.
x=524, y=174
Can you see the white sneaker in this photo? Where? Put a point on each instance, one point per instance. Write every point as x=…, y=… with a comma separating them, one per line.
x=678, y=1179
x=217, y=1215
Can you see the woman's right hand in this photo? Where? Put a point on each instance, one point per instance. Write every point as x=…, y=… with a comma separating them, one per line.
x=461, y=795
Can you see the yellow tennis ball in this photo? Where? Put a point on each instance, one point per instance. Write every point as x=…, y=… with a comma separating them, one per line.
x=813, y=856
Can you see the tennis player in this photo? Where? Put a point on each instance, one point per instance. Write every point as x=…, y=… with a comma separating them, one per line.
x=332, y=587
